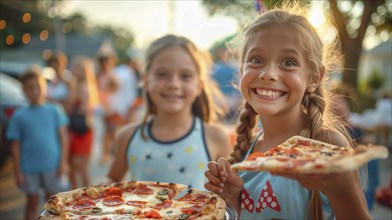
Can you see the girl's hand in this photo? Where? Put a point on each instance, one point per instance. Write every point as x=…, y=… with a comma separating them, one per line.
x=222, y=180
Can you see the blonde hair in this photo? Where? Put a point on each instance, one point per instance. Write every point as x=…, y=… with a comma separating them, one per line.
x=203, y=106
x=320, y=58
x=88, y=76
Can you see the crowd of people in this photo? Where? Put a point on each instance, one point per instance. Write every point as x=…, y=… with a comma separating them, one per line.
x=172, y=128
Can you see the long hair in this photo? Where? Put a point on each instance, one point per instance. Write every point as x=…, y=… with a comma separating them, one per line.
x=203, y=106
x=88, y=78
x=320, y=58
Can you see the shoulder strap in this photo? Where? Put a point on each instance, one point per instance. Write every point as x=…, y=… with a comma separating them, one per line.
x=255, y=138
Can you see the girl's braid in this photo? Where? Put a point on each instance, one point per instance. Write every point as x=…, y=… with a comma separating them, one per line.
x=244, y=133
x=314, y=104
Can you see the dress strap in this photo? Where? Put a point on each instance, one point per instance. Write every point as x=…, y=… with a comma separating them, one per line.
x=253, y=144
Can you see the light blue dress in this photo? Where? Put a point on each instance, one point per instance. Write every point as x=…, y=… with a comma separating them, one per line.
x=272, y=197
x=183, y=160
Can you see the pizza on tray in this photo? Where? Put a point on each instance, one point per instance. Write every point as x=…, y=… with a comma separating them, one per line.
x=303, y=155
x=136, y=200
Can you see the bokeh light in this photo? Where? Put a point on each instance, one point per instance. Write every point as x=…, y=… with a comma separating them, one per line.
x=44, y=35
x=26, y=17
x=3, y=24
x=26, y=38
x=46, y=54
x=9, y=40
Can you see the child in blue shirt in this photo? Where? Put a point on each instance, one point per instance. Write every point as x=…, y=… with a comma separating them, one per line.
x=38, y=135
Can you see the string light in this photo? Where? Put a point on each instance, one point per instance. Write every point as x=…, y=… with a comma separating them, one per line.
x=26, y=38
x=3, y=24
x=43, y=36
x=26, y=17
x=9, y=40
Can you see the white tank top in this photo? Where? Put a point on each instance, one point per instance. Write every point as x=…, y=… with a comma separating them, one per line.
x=183, y=160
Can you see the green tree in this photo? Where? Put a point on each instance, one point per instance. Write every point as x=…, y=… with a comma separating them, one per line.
x=375, y=21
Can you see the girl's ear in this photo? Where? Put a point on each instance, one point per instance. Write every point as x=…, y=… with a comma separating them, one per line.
x=315, y=81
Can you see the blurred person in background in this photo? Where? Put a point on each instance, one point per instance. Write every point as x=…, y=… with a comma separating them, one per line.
x=128, y=91
x=39, y=150
x=83, y=103
x=177, y=136
x=108, y=85
x=225, y=74
x=60, y=88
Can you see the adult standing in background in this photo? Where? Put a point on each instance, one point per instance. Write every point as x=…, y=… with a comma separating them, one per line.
x=226, y=75
x=108, y=86
x=128, y=91
x=81, y=133
x=61, y=86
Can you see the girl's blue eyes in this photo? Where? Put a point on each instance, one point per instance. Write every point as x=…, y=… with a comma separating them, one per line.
x=288, y=62
x=256, y=61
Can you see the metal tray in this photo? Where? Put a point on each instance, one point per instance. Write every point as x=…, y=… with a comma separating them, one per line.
x=230, y=214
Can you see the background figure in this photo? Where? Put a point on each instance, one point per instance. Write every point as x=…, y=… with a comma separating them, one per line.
x=38, y=135
x=60, y=88
x=128, y=90
x=177, y=136
x=340, y=108
x=283, y=67
x=108, y=86
x=83, y=103
x=226, y=75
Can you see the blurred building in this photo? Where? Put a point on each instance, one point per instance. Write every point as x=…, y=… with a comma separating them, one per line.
x=378, y=59
x=18, y=60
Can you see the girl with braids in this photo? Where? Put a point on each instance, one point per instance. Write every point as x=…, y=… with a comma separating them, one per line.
x=177, y=137
x=283, y=66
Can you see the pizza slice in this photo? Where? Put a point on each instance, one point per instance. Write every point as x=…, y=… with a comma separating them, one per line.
x=303, y=155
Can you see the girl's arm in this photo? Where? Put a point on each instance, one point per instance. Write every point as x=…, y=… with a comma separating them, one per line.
x=218, y=142
x=120, y=166
x=63, y=166
x=349, y=202
x=15, y=152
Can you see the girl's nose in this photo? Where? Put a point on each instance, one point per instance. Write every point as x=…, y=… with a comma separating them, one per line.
x=174, y=82
x=268, y=74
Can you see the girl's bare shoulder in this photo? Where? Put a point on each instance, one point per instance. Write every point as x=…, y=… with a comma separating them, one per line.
x=216, y=130
x=126, y=131
x=333, y=137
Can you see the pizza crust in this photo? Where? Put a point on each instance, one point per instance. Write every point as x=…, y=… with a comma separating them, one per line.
x=313, y=157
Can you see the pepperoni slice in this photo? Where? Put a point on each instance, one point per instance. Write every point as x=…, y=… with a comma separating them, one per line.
x=151, y=214
x=143, y=190
x=112, y=201
x=135, y=203
x=83, y=204
x=163, y=205
x=192, y=210
x=113, y=191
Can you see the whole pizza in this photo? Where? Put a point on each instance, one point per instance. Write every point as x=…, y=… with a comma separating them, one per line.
x=136, y=200
x=303, y=155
